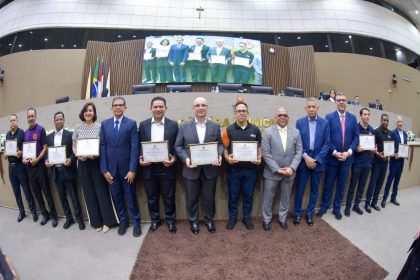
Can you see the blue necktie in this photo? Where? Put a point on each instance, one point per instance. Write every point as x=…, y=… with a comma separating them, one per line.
x=116, y=127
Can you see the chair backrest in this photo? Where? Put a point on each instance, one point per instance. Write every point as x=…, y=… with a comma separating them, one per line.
x=324, y=96
x=104, y=92
x=230, y=88
x=144, y=88
x=372, y=105
x=261, y=90
x=62, y=100
x=296, y=92
x=178, y=88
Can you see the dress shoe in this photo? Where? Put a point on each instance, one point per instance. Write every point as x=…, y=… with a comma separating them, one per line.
x=296, y=221
x=347, y=212
x=338, y=215
x=357, y=210
x=231, y=224
x=105, y=228
x=99, y=229
x=44, y=220
x=266, y=226
x=54, y=222
x=383, y=204
x=309, y=220
x=154, y=226
x=248, y=224
x=35, y=217
x=122, y=228
x=194, y=228
x=283, y=225
x=68, y=223
x=81, y=224
x=368, y=209
x=394, y=201
x=376, y=207
x=136, y=230
x=210, y=227
x=320, y=213
x=21, y=217
x=172, y=228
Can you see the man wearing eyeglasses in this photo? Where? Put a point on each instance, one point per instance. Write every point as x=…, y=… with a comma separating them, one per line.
x=344, y=139
x=282, y=152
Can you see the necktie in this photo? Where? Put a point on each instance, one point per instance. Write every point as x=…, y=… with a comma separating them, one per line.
x=283, y=138
x=343, y=128
x=116, y=127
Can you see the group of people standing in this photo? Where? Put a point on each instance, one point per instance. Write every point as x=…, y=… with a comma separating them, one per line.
x=108, y=182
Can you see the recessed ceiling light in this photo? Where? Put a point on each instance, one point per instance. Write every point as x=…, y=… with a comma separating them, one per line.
x=349, y=36
x=119, y=36
x=326, y=46
x=134, y=36
x=45, y=39
x=279, y=38
x=346, y=41
x=62, y=45
x=299, y=37
x=417, y=12
x=74, y=46
x=370, y=48
x=20, y=45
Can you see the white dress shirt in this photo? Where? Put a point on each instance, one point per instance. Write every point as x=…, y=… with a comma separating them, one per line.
x=58, y=135
x=158, y=130
x=201, y=130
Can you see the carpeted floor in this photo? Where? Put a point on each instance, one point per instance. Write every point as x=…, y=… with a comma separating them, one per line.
x=302, y=252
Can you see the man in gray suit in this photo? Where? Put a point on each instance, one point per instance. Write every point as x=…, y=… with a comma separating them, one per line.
x=282, y=153
x=203, y=178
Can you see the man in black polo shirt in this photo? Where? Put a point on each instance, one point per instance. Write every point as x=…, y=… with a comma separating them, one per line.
x=17, y=172
x=242, y=176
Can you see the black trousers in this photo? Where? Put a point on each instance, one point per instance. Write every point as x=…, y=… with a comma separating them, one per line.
x=63, y=187
x=38, y=179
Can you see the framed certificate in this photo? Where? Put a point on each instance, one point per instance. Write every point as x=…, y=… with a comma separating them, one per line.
x=203, y=154
x=194, y=56
x=367, y=142
x=162, y=53
x=245, y=151
x=155, y=151
x=10, y=148
x=29, y=150
x=87, y=147
x=220, y=59
x=57, y=155
x=242, y=61
x=389, y=148
x=403, y=151
x=147, y=56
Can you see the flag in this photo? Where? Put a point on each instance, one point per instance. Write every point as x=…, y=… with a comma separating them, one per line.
x=100, y=79
x=94, y=91
x=108, y=83
x=87, y=95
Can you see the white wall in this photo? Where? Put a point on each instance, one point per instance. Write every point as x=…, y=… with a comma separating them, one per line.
x=346, y=16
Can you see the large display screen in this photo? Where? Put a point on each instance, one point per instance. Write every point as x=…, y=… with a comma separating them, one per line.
x=208, y=59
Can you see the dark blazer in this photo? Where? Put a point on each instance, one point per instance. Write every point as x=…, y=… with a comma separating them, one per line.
x=121, y=150
x=188, y=135
x=69, y=172
x=178, y=55
x=397, y=140
x=204, y=51
x=170, y=133
x=225, y=51
x=351, y=137
x=321, y=143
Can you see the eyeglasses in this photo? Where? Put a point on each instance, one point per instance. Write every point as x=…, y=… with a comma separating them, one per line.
x=241, y=111
x=118, y=105
x=340, y=100
x=283, y=115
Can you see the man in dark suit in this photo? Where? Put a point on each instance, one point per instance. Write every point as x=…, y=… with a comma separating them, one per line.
x=119, y=154
x=315, y=134
x=378, y=104
x=159, y=178
x=344, y=138
x=149, y=63
x=65, y=174
x=396, y=164
x=177, y=57
x=198, y=68
x=202, y=178
x=218, y=67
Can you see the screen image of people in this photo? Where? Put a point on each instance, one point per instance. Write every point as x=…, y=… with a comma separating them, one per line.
x=204, y=59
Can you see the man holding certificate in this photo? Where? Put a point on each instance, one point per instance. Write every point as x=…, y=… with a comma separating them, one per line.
x=195, y=143
x=17, y=173
x=241, y=140
x=361, y=164
x=396, y=163
x=37, y=171
x=383, y=137
x=159, y=175
x=61, y=160
x=149, y=64
x=197, y=60
x=242, y=64
x=219, y=57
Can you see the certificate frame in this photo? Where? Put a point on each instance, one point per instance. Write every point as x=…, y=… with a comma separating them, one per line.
x=204, y=154
x=10, y=148
x=367, y=142
x=147, y=56
x=245, y=150
x=87, y=147
x=405, y=149
x=242, y=61
x=57, y=155
x=388, y=151
x=218, y=59
x=155, y=151
x=29, y=150
x=162, y=53
x=194, y=56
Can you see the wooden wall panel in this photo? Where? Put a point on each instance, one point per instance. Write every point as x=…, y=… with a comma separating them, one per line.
x=302, y=69
x=275, y=67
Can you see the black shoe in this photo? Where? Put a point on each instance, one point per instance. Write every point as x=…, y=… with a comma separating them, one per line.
x=172, y=228
x=309, y=220
x=194, y=228
x=136, y=230
x=320, y=213
x=347, y=212
x=68, y=223
x=357, y=210
x=154, y=226
x=231, y=224
x=394, y=201
x=122, y=228
x=383, y=204
x=296, y=221
x=210, y=227
x=21, y=217
x=368, y=209
x=338, y=215
x=266, y=226
x=248, y=224
x=283, y=225
x=44, y=220
x=35, y=217
x=376, y=207
x=81, y=224
x=54, y=222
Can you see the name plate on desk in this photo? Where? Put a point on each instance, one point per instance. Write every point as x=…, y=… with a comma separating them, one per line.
x=57, y=155
x=87, y=147
x=29, y=150
x=367, y=142
x=155, y=151
x=403, y=151
x=220, y=59
x=203, y=154
x=10, y=148
x=245, y=151
x=389, y=148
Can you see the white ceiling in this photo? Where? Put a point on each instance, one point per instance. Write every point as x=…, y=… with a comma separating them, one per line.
x=409, y=7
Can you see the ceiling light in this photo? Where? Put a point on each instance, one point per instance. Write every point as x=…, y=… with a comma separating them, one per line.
x=370, y=48
x=62, y=45
x=417, y=12
x=349, y=36
x=279, y=38
x=119, y=36
x=20, y=45
x=74, y=46
x=134, y=36
x=298, y=37
x=46, y=39
x=346, y=41
x=326, y=46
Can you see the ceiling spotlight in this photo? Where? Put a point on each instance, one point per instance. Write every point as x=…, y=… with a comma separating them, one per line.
x=46, y=39
x=370, y=48
x=326, y=46
x=30, y=32
x=349, y=36
x=134, y=36
x=417, y=12
x=119, y=36
x=20, y=45
x=299, y=37
x=62, y=45
x=74, y=46
x=10, y=44
x=279, y=38
x=346, y=41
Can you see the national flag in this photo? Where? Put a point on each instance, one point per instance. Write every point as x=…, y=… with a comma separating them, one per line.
x=108, y=83
x=101, y=79
x=94, y=91
x=87, y=95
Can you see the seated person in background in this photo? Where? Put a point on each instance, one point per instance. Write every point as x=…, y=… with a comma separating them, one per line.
x=378, y=104
x=356, y=101
x=332, y=96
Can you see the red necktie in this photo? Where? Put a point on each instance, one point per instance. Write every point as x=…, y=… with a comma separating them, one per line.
x=343, y=128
